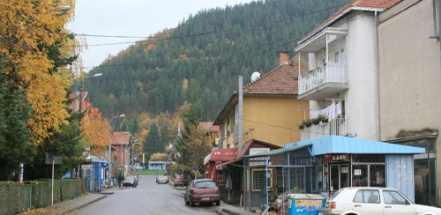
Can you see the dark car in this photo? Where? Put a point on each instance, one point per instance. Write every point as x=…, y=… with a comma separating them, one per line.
x=179, y=180
x=130, y=181
x=202, y=191
x=161, y=179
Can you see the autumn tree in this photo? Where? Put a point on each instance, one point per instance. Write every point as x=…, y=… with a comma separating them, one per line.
x=15, y=146
x=152, y=144
x=95, y=131
x=158, y=157
x=32, y=39
x=194, y=144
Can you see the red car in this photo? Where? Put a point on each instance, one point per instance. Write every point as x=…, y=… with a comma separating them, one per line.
x=179, y=180
x=130, y=181
x=202, y=191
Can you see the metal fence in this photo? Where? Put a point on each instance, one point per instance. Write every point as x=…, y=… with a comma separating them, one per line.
x=17, y=197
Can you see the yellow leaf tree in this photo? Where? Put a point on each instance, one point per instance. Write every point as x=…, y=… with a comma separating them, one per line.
x=28, y=29
x=95, y=131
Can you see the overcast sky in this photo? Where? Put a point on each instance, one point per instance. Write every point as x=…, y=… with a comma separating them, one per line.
x=140, y=18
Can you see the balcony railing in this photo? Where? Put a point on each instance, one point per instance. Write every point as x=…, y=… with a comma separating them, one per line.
x=236, y=131
x=334, y=127
x=330, y=73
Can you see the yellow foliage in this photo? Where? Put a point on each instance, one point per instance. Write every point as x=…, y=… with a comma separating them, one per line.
x=23, y=26
x=158, y=157
x=95, y=131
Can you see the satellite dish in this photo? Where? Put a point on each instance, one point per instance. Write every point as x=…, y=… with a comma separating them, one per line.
x=255, y=76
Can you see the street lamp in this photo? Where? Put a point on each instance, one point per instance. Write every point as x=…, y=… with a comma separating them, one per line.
x=81, y=88
x=110, y=145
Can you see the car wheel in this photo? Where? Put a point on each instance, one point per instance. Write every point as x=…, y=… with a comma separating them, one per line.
x=217, y=203
x=192, y=203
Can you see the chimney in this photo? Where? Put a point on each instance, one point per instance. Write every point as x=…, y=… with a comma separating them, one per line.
x=283, y=57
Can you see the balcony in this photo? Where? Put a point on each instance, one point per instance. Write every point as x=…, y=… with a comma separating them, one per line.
x=324, y=81
x=334, y=127
x=236, y=131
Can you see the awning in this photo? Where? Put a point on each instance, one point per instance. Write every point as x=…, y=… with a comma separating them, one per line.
x=339, y=144
x=207, y=159
x=276, y=151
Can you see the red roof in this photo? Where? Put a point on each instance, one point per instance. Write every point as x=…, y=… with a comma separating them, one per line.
x=73, y=100
x=282, y=80
x=120, y=138
x=367, y=5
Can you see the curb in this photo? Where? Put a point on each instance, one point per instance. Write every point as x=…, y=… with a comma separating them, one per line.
x=67, y=211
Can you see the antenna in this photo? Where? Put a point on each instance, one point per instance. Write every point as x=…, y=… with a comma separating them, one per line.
x=255, y=76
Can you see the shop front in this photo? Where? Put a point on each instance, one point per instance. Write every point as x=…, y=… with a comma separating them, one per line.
x=327, y=164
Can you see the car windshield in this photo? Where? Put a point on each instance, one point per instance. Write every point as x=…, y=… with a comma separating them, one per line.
x=205, y=184
x=130, y=179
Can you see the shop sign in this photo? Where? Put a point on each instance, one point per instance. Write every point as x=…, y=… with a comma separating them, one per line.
x=86, y=166
x=337, y=157
x=260, y=161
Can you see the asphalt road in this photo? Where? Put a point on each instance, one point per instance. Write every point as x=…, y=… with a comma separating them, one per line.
x=148, y=198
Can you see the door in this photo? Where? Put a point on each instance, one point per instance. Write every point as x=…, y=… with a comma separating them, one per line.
x=339, y=176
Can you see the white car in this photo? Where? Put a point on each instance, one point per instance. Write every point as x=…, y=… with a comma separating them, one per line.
x=375, y=201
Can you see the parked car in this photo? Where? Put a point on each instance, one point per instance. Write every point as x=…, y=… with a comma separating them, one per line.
x=179, y=180
x=202, y=191
x=375, y=201
x=162, y=179
x=130, y=181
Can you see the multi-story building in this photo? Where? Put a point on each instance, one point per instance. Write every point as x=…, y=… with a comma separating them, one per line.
x=410, y=93
x=120, y=151
x=342, y=81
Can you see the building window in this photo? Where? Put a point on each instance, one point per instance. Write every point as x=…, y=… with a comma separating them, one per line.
x=260, y=177
x=424, y=170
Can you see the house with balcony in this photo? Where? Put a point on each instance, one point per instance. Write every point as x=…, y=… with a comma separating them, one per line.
x=410, y=93
x=342, y=80
x=343, y=85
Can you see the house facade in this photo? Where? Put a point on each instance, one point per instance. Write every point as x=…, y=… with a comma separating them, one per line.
x=120, y=152
x=342, y=81
x=409, y=74
x=373, y=68
x=271, y=112
x=270, y=117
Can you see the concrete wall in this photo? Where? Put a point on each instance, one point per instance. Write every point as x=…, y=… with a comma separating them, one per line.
x=410, y=72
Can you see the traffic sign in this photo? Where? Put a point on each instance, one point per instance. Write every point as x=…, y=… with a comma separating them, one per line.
x=195, y=169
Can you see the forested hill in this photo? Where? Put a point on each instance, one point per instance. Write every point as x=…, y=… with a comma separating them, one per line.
x=201, y=58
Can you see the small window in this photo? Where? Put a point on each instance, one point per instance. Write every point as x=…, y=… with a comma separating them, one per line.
x=259, y=179
x=367, y=196
x=394, y=198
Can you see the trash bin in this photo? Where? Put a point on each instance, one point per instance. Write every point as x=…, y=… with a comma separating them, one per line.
x=300, y=203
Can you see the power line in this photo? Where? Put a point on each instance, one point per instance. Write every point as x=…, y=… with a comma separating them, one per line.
x=196, y=35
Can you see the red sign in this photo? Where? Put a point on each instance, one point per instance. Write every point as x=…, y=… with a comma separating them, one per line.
x=337, y=157
x=224, y=154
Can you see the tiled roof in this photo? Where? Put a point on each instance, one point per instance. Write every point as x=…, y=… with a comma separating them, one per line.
x=282, y=80
x=368, y=5
x=72, y=99
x=120, y=138
x=208, y=126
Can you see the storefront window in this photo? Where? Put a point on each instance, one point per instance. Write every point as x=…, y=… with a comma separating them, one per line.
x=425, y=171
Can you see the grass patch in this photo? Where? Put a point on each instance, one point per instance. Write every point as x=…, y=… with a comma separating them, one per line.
x=151, y=172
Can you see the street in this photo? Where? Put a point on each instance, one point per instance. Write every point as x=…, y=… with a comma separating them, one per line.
x=148, y=198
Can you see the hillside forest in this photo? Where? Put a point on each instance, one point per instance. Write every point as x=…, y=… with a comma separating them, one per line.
x=198, y=62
